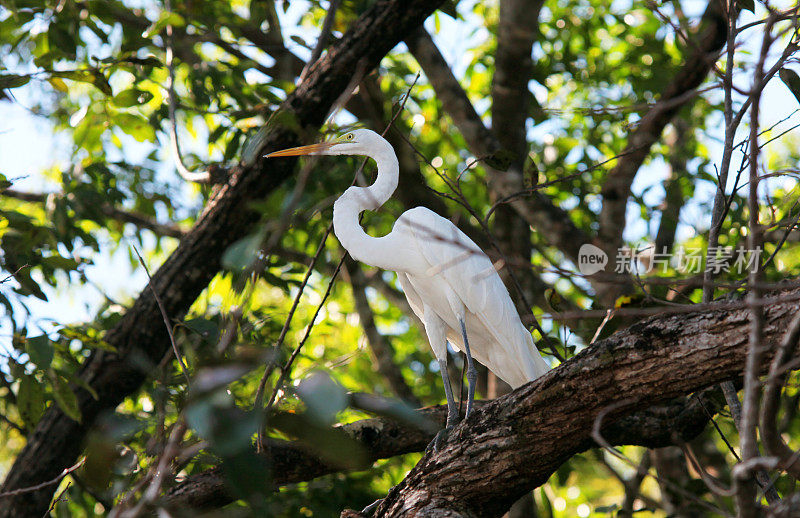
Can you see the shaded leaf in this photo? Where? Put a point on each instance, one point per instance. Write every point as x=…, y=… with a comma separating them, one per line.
x=323, y=397
x=213, y=378
x=241, y=254
x=500, y=159
x=331, y=444
x=101, y=456
x=791, y=80
x=30, y=400
x=40, y=349
x=13, y=81
x=449, y=8
x=65, y=397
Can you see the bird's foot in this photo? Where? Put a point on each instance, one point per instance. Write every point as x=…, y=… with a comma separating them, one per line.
x=370, y=509
x=439, y=440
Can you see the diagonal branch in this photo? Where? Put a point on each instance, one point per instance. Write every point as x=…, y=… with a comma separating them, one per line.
x=522, y=438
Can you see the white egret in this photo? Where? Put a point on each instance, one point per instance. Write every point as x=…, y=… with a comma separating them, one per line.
x=449, y=282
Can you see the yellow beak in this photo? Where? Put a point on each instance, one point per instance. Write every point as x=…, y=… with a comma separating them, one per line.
x=302, y=150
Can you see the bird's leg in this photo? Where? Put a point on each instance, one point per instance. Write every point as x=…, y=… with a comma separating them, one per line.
x=452, y=409
x=472, y=373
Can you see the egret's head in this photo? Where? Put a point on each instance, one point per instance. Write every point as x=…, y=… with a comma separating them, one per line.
x=356, y=142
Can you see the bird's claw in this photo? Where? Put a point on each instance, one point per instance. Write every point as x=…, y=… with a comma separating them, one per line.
x=370, y=509
x=441, y=437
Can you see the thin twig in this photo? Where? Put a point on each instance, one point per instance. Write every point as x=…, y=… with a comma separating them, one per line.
x=189, y=176
x=37, y=487
x=745, y=492
x=322, y=41
x=164, y=316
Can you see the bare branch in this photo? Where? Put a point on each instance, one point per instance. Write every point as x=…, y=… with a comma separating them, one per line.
x=617, y=186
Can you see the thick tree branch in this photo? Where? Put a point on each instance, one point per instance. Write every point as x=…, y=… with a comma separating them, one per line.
x=521, y=438
x=57, y=439
x=679, y=420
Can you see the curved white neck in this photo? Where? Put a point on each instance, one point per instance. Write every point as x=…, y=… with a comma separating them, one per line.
x=355, y=200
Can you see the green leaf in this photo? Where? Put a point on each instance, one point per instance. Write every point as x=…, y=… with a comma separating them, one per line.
x=60, y=262
x=61, y=41
x=101, y=455
x=241, y=254
x=78, y=381
x=13, y=81
x=94, y=77
x=58, y=84
x=135, y=126
x=330, y=444
x=791, y=80
x=40, y=349
x=324, y=398
x=165, y=19
x=27, y=285
x=131, y=97
x=65, y=397
x=500, y=159
x=30, y=400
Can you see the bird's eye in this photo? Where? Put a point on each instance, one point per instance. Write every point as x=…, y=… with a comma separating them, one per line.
x=349, y=136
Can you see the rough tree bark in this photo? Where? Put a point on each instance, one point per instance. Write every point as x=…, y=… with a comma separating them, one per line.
x=520, y=439
x=57, y=440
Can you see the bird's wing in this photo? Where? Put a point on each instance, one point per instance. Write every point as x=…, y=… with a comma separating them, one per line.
x=453, y=257
x=414, y=300
x=457, y=260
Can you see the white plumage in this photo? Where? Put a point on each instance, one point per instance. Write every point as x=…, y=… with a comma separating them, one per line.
x=448, y=280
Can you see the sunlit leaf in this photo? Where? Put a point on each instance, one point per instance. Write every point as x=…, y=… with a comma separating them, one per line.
x=58, y=84
x=131, y=97
x=136, y=126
